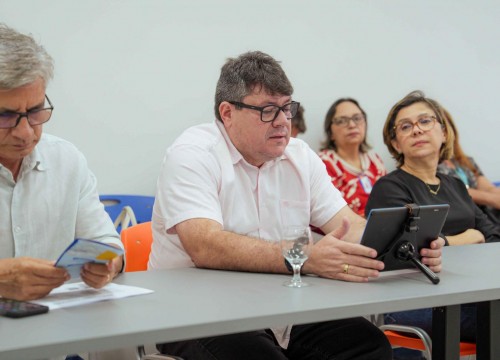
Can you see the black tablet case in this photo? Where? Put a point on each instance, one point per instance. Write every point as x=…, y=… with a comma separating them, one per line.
x=387, y=228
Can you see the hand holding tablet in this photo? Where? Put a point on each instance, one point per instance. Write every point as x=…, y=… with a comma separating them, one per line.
x=398, y=234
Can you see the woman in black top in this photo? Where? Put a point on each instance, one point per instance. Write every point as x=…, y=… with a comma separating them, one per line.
x=418, y=137
x=465, y=223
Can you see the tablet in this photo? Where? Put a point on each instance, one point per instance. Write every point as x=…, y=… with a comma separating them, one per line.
x=385, y=229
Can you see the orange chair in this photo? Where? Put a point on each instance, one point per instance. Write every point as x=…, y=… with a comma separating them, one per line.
x=396, y=336
x=137, y=241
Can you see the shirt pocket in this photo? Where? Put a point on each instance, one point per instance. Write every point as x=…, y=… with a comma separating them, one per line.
x=295, y=213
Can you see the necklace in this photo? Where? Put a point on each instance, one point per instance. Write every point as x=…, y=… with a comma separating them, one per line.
x=433, y=192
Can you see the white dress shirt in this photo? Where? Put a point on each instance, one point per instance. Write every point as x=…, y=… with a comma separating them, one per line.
x=53, y=201
x=204, y=176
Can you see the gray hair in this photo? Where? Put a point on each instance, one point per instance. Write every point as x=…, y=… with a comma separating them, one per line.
x=248, y=72
x=22, y=60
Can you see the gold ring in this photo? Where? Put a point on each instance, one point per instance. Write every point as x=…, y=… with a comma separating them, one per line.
x=346, y=268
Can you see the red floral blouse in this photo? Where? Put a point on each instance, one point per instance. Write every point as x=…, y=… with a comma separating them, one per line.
x=354, y=184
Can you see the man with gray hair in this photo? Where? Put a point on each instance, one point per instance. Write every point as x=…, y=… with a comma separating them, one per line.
x=227, y=190
x=48, y=196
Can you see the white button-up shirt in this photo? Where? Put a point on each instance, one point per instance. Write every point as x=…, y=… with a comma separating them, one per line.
x=53, y=201
x=204, y=176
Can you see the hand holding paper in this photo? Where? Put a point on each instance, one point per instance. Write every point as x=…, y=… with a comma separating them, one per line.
x=98, y=275
x=82, y=251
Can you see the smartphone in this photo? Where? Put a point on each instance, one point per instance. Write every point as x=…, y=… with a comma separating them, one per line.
x=17, y=309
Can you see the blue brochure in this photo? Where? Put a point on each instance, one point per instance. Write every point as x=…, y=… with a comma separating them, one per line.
x=82, y=251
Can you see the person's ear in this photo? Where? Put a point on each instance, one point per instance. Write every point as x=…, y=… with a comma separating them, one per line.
x=445, y=134
x=226, y=113
x=395, y=145
x=332, y=134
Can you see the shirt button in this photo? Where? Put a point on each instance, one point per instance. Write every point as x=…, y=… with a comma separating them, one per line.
x=17, y=229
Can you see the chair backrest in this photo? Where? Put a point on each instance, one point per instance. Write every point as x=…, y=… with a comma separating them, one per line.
x=419, y=341
x=141, y=205
x=137, y=242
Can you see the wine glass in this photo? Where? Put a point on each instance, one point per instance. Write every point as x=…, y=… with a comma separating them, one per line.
x=296, y=244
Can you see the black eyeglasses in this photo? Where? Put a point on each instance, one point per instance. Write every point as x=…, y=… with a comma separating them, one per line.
x=269, y=113
x=10, y=119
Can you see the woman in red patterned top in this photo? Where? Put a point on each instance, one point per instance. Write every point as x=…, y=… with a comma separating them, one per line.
x=353, y=167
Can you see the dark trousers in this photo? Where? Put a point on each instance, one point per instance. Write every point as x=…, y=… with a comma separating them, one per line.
x=333, y=340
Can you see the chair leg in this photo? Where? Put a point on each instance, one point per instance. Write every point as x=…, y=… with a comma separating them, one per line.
x=140, y=352
x=141, y=355
x=426, y=340
x=376, y=319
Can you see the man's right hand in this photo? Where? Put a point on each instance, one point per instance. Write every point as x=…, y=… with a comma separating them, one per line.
x=334, y=258
x=27, y=278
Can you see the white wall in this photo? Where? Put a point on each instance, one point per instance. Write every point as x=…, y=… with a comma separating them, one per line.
x=131, y=75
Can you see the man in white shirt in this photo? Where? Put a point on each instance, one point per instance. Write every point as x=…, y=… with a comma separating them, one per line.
x=48, y=195
x=225, y=192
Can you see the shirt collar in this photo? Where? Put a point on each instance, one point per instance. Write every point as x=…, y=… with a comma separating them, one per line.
x=31, y=162
x=35, y=160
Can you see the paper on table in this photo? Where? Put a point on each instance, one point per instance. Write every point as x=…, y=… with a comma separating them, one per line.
x=82, y=251
x=74, y=294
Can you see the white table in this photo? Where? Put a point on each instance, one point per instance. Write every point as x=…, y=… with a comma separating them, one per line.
x=194, y=303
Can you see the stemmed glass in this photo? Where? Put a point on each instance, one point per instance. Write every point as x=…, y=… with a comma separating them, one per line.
x=296, y=243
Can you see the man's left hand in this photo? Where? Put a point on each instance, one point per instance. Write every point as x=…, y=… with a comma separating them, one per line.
x=98, y=275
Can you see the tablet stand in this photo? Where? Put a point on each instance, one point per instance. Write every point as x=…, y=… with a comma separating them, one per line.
x=405, y=250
